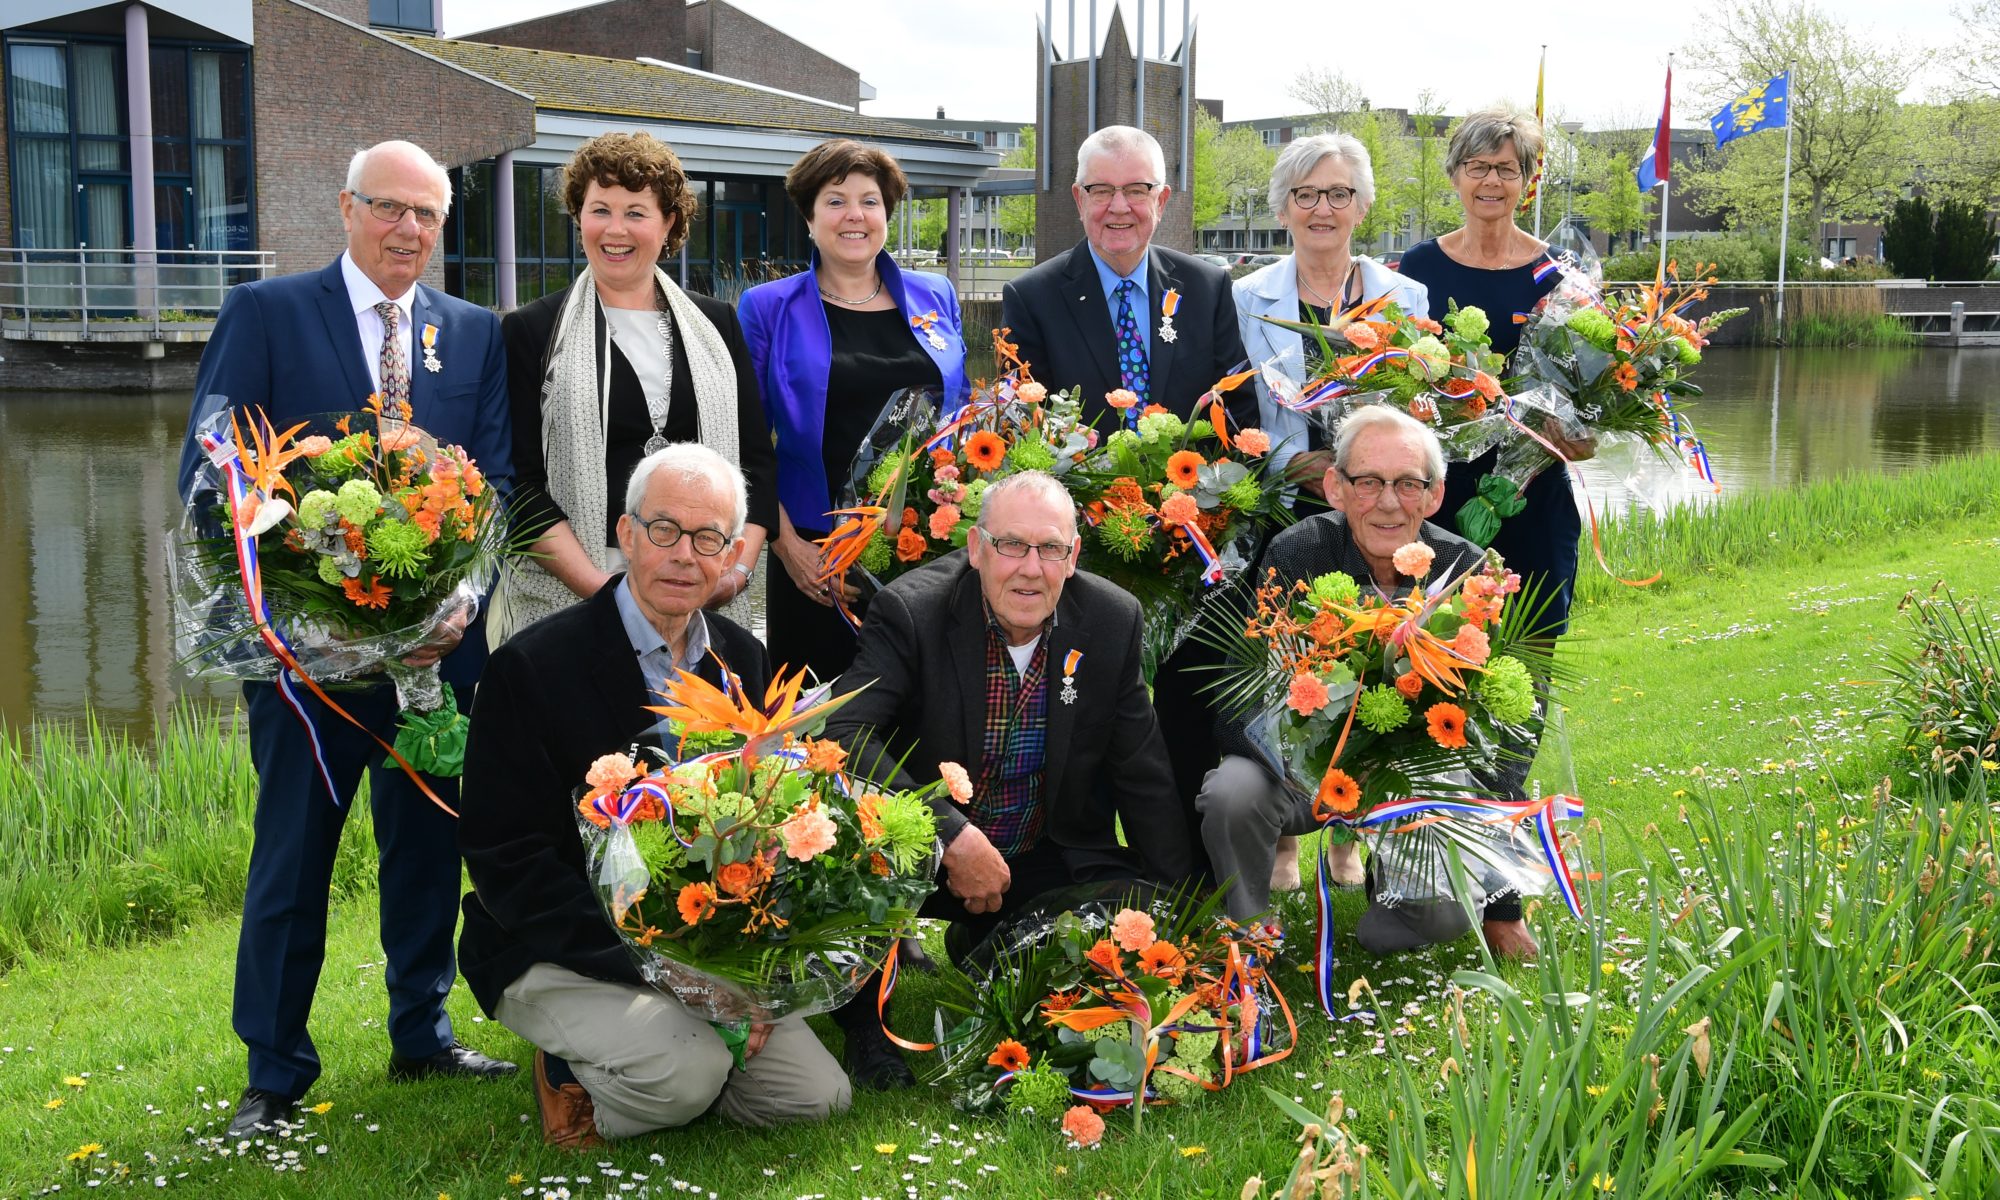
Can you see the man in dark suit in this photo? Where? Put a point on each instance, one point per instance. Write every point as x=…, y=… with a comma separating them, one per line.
x=297, y=346
x=1118, y=312
x=1004, y=659
x=615, y=1058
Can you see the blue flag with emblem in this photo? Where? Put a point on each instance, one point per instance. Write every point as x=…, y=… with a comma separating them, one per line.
x=1766, y=106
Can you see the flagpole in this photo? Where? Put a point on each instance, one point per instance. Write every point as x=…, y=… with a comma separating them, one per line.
x=1541, y=75
x=1785, y=205
x=1666, y=177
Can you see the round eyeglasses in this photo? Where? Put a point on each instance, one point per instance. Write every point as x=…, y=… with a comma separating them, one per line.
x=1309, y=198
x=666, y=533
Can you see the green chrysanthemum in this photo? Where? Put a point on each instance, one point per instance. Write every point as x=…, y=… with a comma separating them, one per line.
x=1469, y=322
x=329, y=570
x=1198, y=430
x=975, y=495
x=1182, y=1090
x=1159, y=426
x=1382, y=709
x=1243, y=495
x=314, y=510
x=1336, y=587
x=398, y=549
x=1031, y=456
x=1196, y=1047
x=1594, y=327
x=877, y=554
x=1126, y=533
x=909, y=830
x=1685, y=351
x=1507, y=690
x=344, y=455
x=658, y=848
x=1040, y=1088
x=358, y=501
x=883, y=475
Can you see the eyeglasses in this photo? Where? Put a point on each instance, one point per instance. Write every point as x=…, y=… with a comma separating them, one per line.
x=1308, y=198
x=392, y=210
x=1369, y=487
x=1480, y=170
x=1016, y=548
x=1134, y=193
x=667, y=533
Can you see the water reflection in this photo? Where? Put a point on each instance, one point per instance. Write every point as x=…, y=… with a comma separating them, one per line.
x=86, y=500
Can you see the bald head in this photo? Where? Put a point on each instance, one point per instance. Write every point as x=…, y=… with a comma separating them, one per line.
x=393, y=206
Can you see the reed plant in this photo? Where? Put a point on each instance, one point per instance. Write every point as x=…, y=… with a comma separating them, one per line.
x=1839, y=316
x=1806, y=523
x=1945, y=691
x=107, y=838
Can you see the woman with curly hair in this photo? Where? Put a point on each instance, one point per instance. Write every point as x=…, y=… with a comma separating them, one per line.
x=619, y=364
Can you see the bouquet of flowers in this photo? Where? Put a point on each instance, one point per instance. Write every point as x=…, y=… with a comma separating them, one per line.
x=335, y=548
x=917, y=481
x=1173, y=509
x=1092, y=998
x=749, y=872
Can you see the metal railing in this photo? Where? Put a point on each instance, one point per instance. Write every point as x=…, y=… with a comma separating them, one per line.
x=120, y=294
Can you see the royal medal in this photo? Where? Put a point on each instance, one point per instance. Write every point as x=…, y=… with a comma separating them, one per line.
x=1070, y=660
x=1169, y=303
x=926, y=323
x=431, y=362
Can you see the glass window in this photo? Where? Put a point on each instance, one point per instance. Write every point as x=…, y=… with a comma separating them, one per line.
x=555, y=220
x=37, y=89
x=478, y=201
x=94, y=87
x=527, y=225
x=401, y=14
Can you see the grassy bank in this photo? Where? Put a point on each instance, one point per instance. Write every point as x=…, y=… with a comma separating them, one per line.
x=1734, y=688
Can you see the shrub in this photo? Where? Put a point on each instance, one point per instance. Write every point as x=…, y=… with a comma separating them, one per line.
x=1964, y=241
x=1909, y=240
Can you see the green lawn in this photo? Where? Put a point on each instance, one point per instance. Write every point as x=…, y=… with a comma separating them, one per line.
x=1756, y=682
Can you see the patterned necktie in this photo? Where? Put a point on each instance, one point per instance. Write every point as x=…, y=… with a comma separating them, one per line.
x=395, y=367
x=1131, y=350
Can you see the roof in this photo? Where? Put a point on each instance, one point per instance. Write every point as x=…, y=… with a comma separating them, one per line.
x=617, y=87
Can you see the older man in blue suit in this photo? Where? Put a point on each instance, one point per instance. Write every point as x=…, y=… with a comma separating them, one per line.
x=321, y=342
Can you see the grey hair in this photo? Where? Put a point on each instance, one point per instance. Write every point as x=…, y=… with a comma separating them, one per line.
x=1039, y=484
x=359, y=163
x=1381, y=416
x=1302, y=156
x=1485, y=131
x=692, y=462
x=1119, y=139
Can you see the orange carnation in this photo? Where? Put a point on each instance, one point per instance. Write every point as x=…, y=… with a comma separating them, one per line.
x=1009, y=1055
x=984, y=450
x=824, y=756
x=1179, y=509
x=1447, y=724
x=1307, y=694
x=1182, y=466
x=1083, y=1125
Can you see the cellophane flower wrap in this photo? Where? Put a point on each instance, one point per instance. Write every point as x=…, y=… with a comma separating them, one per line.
x=917, y=482
x=1172, y=511
x=749, y=871
x=1097, y=994
x=331, y=549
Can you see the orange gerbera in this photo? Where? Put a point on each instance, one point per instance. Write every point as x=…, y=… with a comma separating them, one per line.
x=696, y=903
x=1338, y=793
x=985, y=451
x=1627, y=376
x=1009, y=1055
x=1182, y=466
x=735, y=879
x=910, y=544
x=1105, y=957
x=375, y=594
x=1163, y=960
x=1410, y=684
x=868, y=811
x=1447, y=724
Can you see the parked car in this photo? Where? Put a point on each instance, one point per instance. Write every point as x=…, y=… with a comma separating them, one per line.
x=1265, y=260
x=1214, y=260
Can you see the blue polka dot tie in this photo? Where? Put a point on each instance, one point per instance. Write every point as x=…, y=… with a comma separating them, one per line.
x=1131, y=351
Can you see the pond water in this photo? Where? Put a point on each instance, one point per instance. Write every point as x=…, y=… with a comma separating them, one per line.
x=86, y=501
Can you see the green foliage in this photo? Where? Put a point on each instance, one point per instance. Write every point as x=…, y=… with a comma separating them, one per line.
x=1909, y=238
x=1424, y=194
x=1017, y=213
x=1389, y=154
x=1613, y=203
x=1232, y=170
x=1964, y=241
x=929, y=224
x=1947, y=684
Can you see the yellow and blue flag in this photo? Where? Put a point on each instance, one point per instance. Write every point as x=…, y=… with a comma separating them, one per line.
x=1765, y=107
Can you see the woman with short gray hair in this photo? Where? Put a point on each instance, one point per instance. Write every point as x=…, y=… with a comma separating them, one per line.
x=1321, y=187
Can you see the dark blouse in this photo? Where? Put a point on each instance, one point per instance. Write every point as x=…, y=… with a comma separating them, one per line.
x=527, y=331
x=873, y=355
x=1501, y=293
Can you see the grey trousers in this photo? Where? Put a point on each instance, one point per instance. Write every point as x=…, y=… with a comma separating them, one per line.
x=1243, y=814
x=649, y=1063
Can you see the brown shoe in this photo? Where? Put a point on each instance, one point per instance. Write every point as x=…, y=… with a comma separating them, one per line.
x=569, y=1119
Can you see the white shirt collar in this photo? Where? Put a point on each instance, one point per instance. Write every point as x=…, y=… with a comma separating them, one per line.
x=363, y=295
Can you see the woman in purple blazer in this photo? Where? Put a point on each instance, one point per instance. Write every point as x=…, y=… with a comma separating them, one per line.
x=829, y=346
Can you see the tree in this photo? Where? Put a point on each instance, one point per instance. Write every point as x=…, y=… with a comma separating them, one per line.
x=1964, y=241
x=1328, y=99
x=929, y=225
x=1389, y=151
x=1909, y=239
x=1425, y=193
x=1017, y=213
x=1232, y=170
x=1979, y=52
x=1613, y=205
x=1206, y=201
x=1847, y=157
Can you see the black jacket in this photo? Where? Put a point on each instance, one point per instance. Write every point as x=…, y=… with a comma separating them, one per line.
x=922, y=662
x=1059, y=319
x=556, y=696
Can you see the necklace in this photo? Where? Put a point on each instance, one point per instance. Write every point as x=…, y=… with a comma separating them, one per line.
x=656, y=410
x=1323, y=301
x=855, y=303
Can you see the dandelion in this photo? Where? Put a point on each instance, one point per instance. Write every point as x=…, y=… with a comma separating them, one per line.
x=1009, y=1055
x=322, y=1108
x=1083, y=1125
x=75, y=1081
x=885, y=1147
x=1133, y=930
x=516, y=1179
x=1183, y=468
x=1447, y=725
x=1192, y=1151
x=53, y=1104
x=85, y=1151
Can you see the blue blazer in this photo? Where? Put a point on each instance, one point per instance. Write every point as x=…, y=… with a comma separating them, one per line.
x=290, y=347
x=792, y=348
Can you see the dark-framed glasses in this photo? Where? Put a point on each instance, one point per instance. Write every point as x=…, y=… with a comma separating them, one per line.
x=666, y=533
x=1134, y=193
x=1007, y=547
x=1480, y=170
x=392, y=211
x=1308, y=198
x=1369, y=487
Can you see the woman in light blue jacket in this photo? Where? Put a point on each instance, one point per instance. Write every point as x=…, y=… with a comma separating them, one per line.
x=1321, y=187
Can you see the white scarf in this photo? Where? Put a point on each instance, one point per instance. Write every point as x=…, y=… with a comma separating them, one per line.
x=576, y=410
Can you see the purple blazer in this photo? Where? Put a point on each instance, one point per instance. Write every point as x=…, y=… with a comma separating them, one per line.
x=792, y=349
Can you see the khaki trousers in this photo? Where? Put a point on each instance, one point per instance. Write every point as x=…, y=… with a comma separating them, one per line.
x=649, y=1063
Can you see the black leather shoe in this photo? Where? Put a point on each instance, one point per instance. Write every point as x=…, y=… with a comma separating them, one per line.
x=457, y=1060
x=873, y=1061
x=912, y=956
x=259, y=1111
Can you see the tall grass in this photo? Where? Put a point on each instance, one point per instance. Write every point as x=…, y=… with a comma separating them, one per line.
x=107, y=840
x=1838, y=316
x=1805, y=523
